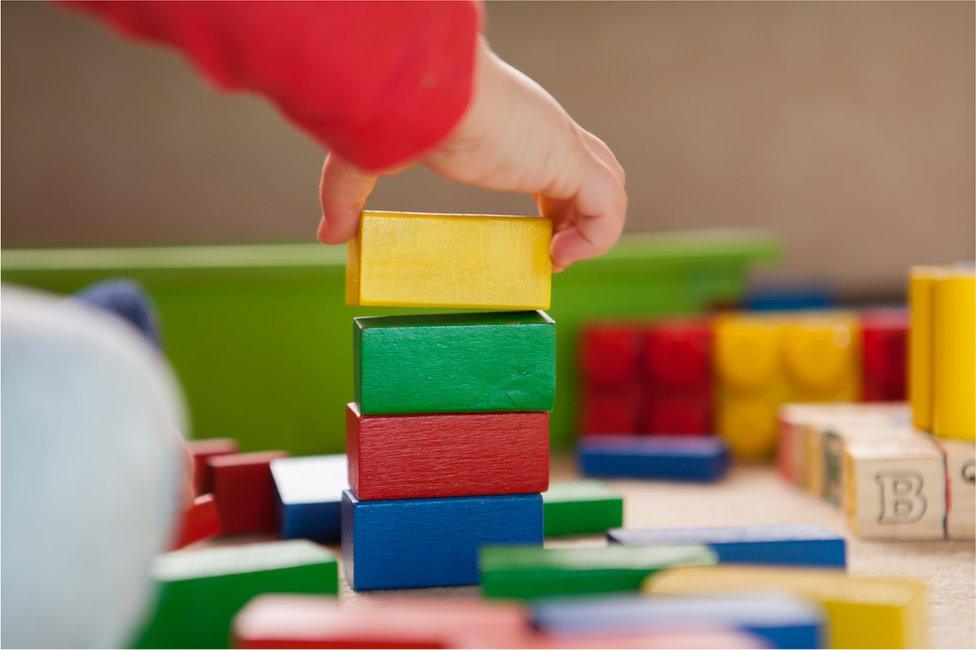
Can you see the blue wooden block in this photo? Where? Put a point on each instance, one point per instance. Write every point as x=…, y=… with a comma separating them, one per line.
x=791, y=545
x=308, y=490
x=779, y=619
x=671, y=458
x=430, y=542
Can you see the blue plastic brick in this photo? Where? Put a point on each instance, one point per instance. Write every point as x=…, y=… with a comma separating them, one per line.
x=309, y=493
x=430, y=542
x=671, y=458
x=779, y=619
x=790, y=545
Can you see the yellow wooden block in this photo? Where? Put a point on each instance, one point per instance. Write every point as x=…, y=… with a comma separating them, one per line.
x=895, y=488
x=954, y=356
x=862, y=612
x=920, y=288
x=450, y=260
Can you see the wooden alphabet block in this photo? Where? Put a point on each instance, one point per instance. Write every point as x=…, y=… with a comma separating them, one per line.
x=201, y=589
x=777, y=620
x=198, y=522
x=430, y=542
x=308, y=491
x=245, y=493
x=449, y=260
x=202, y=451
x=527, y=572
x=954, y=356
x=960, y=460
x=835, y=441
x=677, y=366
x=277, y=621
x=884, y=341
x=612, y=413
x=861, y=612
x=455, y=363
x=895, y=488
x=790, y=544
x=446, y=454
x=581, y=508
x=672, y=458
x=609, y=356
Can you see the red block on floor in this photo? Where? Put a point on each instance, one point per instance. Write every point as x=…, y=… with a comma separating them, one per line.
x=884, y=348
x=611, y=414
x=609, y=356
x=677, y=366
x=446, y=454
x=202, y=451
x=198, y=522
x=273, y=621
x=244, y=491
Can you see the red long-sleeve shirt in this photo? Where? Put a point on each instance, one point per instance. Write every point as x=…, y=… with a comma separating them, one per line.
x=377, y=82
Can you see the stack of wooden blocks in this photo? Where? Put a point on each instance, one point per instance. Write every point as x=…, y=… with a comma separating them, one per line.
x=448, y=439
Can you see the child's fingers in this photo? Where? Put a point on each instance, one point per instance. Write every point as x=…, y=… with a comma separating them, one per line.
x=343, y=193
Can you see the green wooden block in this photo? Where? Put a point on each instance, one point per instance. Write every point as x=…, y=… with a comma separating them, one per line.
x=493, y=361
x=200, y=590
x=527, y=572
x=581, y=508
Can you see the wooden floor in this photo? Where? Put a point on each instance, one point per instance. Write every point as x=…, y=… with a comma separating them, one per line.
x=752, y=495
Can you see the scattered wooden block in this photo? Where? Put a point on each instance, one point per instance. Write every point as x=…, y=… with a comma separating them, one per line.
x=612, y=413
x=694, y=637
x=447, y=454
x=777, y=620
x=202, y=451
x=447, y=260
x=609, y=355
x=954, y=356
x=895, y=488
x=430, y=542
x=921, y=283
x=835, y=441
x=581, y=508
x=454, y=363
x=198, y=522
x=526, y=572
x=861, y=612
x=960, y=460
x=679, y=458
x=309, y=493
x=790, y=544
x=678, y=367
x=245, y=493
x=276, y=621
x=200, y=590
x=884, y=341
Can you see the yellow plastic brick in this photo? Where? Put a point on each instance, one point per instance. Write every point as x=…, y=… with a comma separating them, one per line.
x=862, y=612
x=450, y=260
x=954, y=357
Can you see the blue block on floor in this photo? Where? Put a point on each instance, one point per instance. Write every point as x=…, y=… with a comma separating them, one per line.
x=669, y=458
x=309, y=493
x=779, y=619
x=790, y=545
x=430, y=542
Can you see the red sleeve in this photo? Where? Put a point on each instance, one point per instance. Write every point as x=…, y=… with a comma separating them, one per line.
x=377, y=82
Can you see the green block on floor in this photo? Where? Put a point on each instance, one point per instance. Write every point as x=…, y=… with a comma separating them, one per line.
x=581, y=508
x=200, y=590
x=470, y=362
x=528, y=572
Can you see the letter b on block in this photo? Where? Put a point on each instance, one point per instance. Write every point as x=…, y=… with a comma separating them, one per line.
x=902, y=501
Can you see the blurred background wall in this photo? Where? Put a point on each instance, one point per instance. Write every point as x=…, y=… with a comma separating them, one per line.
x=846, y=128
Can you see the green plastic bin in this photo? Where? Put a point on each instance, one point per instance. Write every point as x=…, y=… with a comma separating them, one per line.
x=262, y=341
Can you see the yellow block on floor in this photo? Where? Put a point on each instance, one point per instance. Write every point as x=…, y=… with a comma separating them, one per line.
x=449, y=260
x=861, y=612
x=954, y=356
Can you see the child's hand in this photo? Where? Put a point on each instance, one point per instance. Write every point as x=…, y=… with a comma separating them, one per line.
x=514, y=137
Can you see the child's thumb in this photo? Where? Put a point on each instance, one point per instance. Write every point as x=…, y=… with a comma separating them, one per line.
x=343, y=192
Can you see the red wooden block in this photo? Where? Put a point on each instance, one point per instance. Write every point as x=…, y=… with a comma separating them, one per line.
x=677, y=356
x=609, y=356
x=446, y=454
x=678, y=414
x=278, y=621
x=612, y=413
x=244, y=491
x=884, y=349
x=202, y=451
x=198, y=522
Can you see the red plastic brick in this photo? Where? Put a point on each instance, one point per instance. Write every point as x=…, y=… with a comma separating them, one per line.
x=612, y=414
x=202, y=451
x=446, y=454
x=677, y=355
x=244, y=491
x=678, y=414
x=884, y=346
x=199, y=522
x=609, y=355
